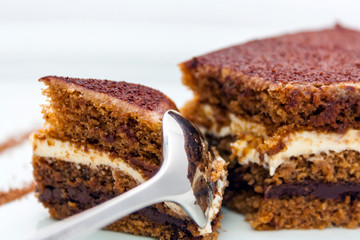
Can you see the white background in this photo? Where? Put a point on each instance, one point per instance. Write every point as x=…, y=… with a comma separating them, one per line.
x=106, y=39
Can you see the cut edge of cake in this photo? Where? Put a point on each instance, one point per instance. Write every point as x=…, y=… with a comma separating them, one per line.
x=74, y=174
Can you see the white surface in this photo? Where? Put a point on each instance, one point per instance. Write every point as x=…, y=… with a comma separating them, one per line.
x=140, y=42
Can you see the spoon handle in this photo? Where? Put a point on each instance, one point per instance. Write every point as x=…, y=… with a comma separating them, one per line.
x=144, y=195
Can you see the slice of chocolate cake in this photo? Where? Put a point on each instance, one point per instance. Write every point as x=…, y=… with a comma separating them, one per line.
x=102, y=138
x=285, y=111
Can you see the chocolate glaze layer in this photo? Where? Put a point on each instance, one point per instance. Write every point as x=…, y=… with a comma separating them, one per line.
x=136, y=94
x=316, y=189
x=322, y=57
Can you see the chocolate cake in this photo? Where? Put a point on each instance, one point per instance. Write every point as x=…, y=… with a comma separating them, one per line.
x=102, y=138
x=285, y=112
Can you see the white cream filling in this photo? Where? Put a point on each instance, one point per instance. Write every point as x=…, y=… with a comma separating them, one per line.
x=69, y=152
x=297, y=143
x=301, y=143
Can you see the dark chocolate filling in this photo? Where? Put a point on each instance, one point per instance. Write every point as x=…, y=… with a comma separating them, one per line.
x=316, y=189
x=88, y=199
x=320, y=190
x=154, y=215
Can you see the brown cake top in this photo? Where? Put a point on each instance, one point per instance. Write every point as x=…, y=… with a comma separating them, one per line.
x=319, y=57
x=123, y=94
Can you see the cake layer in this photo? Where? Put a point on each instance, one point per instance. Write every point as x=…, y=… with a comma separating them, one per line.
x=296, y=212
x=250, y=142
x=291, y=79
x=149, y=104
x=295, y=144
x=107, y=115
x=67, y=188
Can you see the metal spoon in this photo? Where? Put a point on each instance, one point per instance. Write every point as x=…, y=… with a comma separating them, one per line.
x=183, y=147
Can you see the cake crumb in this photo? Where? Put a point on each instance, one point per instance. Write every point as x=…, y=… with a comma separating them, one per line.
x=16, y=193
